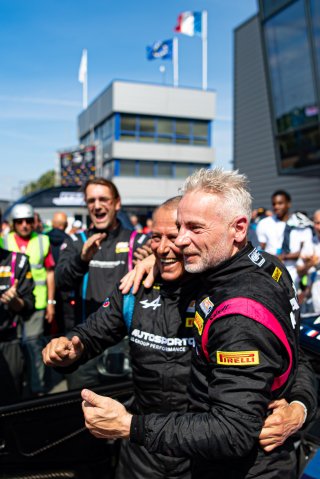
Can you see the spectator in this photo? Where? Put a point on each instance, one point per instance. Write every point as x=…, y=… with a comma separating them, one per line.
x=284, y=234
x=37, y=225
x=148, y=227
x=36, y=246
x=64, y=300
x=135, y=223
x=16, y=305
x=309, y=263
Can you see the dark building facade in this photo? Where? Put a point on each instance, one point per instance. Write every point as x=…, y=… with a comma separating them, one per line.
x=277, y=98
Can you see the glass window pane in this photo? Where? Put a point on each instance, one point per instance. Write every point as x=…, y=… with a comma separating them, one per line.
x=127, y=168
x=127, y=122
x=200, y=142
x=165, y=126
x=146, y=125
x=146, y=168
x=183, y=127
x=147, y=139
x=183, y=140
x=164, y=139
x=290, y=67
x=127, y=138
x=182, y=170
x=165, y=169
x=200, y=128
x=300, y=149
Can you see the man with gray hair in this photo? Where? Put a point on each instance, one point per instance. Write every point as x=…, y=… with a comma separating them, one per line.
x=246, y=330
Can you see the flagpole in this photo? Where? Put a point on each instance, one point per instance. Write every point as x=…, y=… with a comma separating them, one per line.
x=175, y=62
x=204, y=50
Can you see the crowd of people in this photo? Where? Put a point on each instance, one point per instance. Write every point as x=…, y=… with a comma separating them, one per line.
x=213, y=330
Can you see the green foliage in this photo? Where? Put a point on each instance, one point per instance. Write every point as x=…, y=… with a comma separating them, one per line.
x=45, y=181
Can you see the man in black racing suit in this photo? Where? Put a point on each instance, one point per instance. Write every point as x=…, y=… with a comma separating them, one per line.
x=91, y=263
x=246, y=332
x=160, y=339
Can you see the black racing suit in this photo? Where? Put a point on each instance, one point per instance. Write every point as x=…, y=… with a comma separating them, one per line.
x=230, y=392
x=13, y=266
x=107, y=267
x=160, y=340
x=94, y=281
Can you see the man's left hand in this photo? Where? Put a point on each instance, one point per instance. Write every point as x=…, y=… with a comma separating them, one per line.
x=285, y=420
x=104, y=417
x=50, y=312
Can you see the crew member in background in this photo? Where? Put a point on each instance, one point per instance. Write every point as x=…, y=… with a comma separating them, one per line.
x=36, y=246
x=93, y=262
x=64, y=309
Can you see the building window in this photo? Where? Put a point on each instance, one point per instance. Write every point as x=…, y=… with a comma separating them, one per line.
x=146, y=168
x=289, y=60
x=164, y=169
x=163, y=130
x=127, y=168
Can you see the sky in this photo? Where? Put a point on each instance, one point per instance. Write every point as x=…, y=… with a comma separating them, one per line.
x=41, y=46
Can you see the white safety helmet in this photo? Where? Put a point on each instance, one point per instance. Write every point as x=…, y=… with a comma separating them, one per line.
x=22, y=210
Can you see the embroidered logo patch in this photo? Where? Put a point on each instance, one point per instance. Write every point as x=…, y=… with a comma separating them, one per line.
x=189, y=322
x=122, y=247
x=207, y=306
x=256, y=258
x=192, y=307
x=106, y=303
x=276, y=275
x=238, y=358
x=152, y=304
x=198, y=322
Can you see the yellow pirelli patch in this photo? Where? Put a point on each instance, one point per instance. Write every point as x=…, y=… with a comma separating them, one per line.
x=189, y=322
x=238, y=358
x=198, y=322
x=276, y=275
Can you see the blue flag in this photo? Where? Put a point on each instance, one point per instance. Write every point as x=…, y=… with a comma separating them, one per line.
x=160, y=50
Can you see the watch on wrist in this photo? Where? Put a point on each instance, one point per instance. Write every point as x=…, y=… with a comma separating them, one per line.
x=52, y=301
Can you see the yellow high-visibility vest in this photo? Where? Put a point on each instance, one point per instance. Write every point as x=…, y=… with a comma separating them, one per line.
x=37, y=250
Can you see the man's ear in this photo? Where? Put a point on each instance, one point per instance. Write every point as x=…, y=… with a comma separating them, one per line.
x=240, y=226
x=118, y=204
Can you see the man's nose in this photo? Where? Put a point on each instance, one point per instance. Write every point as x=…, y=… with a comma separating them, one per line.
x=183, y=238
x=163, y=246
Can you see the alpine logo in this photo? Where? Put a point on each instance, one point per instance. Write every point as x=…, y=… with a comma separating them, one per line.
x=153, y=304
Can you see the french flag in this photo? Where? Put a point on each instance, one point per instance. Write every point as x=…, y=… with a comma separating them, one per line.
x=189, y=23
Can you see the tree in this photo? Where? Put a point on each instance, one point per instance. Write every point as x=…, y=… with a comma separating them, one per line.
x=45, y=181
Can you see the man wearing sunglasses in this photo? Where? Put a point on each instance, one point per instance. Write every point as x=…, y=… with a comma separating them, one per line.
x=24, y=239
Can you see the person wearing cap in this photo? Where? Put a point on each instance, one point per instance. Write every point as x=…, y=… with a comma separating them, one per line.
x=16, y=304
x=24, y=239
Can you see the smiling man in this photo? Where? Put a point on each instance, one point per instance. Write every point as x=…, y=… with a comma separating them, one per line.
x=246, y=345
x=160, y=339
x=92, y=262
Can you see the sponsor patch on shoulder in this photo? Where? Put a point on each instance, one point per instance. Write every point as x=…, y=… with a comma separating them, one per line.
x=256, y=257
x=198, y=322
x=238, y=358
x=206, y=305
x=122, y=247
x=106, y=303
x=63, y=246
x=276, y=275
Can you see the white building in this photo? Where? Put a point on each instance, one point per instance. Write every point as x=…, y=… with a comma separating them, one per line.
x=152, y=137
